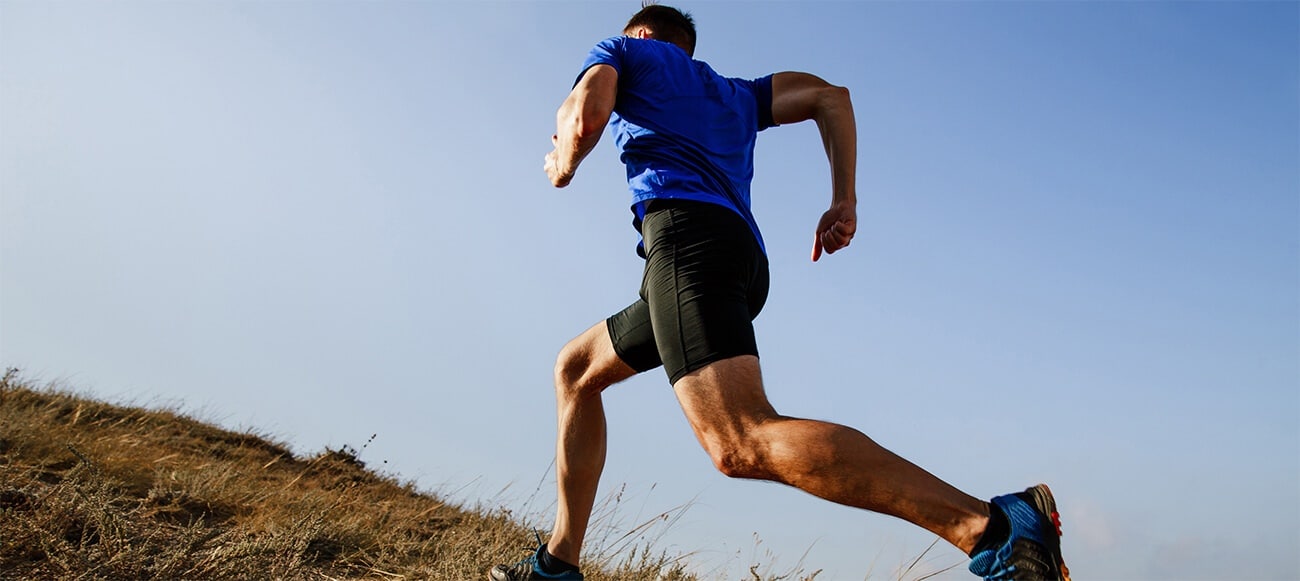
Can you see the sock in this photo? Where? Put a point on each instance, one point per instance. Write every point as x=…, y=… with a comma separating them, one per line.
x=551, y=565
x=995, y=534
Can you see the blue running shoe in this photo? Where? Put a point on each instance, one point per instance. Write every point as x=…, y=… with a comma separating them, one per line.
x=529, y=569
x=1033, y=550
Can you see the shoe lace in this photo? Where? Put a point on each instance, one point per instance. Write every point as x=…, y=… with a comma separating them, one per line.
x=1003, y=575
x=526, y=564
x=1025, y=560
x=1028, y=561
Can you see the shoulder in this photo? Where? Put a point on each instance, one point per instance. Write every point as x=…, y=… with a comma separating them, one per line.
x=607, y=52
x=613, y=43
x=612, y=47
x=618, y=49
x=656, y=50
x=638, y=58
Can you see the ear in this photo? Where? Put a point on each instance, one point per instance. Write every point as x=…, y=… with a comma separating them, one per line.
x=641, y=32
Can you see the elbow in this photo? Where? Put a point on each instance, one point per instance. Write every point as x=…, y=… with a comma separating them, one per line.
x=832, y=102
x=835, y=97
x=592, y=121
x=583, y=127
x=589, y=127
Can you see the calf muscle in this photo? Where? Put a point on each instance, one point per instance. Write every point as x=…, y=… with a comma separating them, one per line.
x=745, y=437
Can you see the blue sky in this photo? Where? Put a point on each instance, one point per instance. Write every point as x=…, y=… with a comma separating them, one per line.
x=1078, y=257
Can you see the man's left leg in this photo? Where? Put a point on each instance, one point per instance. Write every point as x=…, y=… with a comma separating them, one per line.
x=706, y=280
x=746, y=438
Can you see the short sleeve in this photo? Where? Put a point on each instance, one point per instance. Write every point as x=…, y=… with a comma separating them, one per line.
x=610, y=52
x=763, y=95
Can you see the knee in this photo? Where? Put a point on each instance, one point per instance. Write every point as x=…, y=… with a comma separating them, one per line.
x=574, y=375
x=738, y=458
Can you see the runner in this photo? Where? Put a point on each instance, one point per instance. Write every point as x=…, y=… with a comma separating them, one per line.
x=686, y=135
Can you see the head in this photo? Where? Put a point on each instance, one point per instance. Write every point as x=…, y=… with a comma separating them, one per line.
x=663, y=23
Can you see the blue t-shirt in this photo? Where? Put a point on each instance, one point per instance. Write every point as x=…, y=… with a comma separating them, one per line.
x=683, y=130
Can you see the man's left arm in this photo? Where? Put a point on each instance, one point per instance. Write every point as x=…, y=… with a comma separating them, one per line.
x=800, y=97
x=580, y=121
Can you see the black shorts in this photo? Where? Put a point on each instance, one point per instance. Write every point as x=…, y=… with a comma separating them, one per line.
x=705, y=280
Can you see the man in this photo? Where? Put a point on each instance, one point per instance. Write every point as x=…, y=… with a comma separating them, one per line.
x=686, y=135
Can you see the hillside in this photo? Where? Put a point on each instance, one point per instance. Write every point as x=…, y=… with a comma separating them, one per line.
x=90, y=490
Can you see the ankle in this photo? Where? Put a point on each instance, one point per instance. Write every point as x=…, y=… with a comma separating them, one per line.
x=553, y=565
x=563, y=551
x=995, y=531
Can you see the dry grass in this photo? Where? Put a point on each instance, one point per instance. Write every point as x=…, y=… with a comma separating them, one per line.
x=90, y=490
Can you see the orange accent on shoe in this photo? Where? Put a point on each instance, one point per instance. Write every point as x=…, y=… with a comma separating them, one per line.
x=1065, y=571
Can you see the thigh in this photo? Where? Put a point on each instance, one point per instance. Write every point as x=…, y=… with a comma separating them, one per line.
x=705, y=281
x=632, y=337
x=724, y=400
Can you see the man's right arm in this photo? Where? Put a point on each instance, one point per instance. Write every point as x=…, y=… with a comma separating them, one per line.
x=580, y=121
x=800, y=97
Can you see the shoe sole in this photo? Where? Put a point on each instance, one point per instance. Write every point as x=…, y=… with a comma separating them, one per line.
x=1041, y=497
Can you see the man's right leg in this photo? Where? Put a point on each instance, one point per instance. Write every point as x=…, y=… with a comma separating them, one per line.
x=586, y=366
x=607, y=353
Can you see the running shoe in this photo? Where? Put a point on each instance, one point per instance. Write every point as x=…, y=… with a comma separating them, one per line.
x=529, y=570
x=1033, y=550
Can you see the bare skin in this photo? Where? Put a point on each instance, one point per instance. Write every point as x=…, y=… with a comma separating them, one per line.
x=725, y=401
x=746, y=438
x=586, y=366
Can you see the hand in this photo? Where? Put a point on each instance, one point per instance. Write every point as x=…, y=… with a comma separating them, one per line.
x=558, y=177
x=836, y=229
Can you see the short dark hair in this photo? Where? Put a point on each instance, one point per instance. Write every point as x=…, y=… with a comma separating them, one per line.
x=667, y=23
